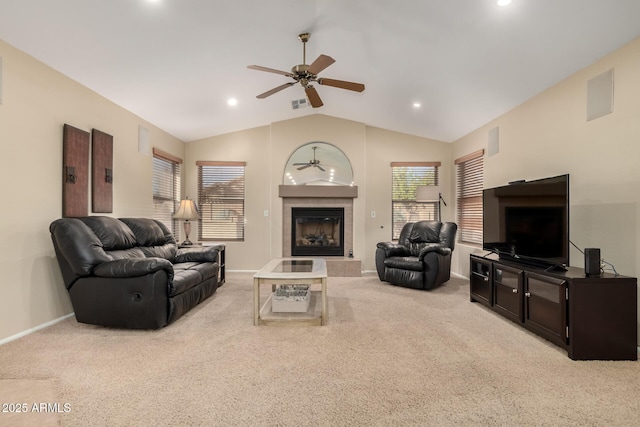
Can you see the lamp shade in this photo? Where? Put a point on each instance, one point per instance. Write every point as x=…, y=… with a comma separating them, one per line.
x=187, y=210
x=427, y=193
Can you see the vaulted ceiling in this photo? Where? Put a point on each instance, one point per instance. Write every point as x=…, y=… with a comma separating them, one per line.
x=176, y=63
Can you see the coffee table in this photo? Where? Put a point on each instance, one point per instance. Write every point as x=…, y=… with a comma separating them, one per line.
x=292, y=271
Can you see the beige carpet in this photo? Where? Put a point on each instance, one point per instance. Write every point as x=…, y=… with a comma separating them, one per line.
x=389, y=356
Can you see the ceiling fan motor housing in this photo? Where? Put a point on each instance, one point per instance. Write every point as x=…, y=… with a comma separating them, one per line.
x=300, y=69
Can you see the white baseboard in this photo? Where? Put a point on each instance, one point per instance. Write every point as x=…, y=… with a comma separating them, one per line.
x=37, y=328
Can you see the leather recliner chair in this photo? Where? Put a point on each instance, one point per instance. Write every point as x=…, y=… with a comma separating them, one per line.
x=129, y=272
x=422, y=257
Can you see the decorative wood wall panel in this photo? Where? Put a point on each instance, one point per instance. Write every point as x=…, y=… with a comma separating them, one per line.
x=102, y=172
x=75, y=169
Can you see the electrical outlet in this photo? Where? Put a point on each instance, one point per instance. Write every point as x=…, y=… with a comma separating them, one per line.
x=373, y=214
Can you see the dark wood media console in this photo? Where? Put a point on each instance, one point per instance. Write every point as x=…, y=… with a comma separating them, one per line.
x=591, y=317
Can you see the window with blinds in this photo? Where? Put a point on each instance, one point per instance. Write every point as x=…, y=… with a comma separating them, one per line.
x=221, y=187
x=405, y=179
x=469, y=184
x=166, y=188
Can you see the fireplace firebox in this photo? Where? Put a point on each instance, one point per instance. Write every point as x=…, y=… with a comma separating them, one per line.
x=317, y=231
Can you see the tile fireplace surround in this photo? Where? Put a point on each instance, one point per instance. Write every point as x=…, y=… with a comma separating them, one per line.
x=325, y=197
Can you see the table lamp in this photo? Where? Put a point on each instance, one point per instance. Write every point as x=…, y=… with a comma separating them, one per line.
x=187, y=211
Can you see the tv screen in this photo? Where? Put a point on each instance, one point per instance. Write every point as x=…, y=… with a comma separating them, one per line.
x=528, y=221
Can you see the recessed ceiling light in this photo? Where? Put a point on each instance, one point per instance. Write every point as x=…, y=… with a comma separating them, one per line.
x=417, y=105
x=232, y=102
x=503, y=3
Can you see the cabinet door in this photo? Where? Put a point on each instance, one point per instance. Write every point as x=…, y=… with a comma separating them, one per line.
x=480, y=281
x=545, y=307
x=507, y=292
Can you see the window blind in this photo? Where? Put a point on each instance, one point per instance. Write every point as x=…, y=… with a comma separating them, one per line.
x=469, y=184
x=166, y=188
x=405, y=179
x=221, y=192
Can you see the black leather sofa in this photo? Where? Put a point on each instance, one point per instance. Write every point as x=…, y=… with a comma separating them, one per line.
x=129, y=272
x=422, y=257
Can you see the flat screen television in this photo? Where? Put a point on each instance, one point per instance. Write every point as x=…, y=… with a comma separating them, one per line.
x=528, y=221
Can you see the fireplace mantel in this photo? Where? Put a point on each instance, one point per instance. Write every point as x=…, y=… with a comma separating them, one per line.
x=322, y=191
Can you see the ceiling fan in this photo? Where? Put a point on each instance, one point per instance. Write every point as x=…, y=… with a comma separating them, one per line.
x=311, y=163
x=306, y=74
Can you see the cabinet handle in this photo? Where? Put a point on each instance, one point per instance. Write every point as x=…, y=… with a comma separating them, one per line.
x=527, y=294
x=515, y=291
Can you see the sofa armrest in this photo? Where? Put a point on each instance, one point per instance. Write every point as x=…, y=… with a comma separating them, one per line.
x=393, y=249
x=436, y=247
x=197, y=254
x=133, y=267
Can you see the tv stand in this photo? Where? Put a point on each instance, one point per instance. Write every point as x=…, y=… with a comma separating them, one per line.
x=592, y=318
x=533, y=262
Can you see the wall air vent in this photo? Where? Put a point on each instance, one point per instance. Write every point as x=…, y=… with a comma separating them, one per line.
x=299, y=103
x=600, y=95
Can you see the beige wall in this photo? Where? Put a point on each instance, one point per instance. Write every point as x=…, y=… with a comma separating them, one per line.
x=384, y=147
x=549, y=135
x=37, y=101
x=266, y=151
x=253, y=147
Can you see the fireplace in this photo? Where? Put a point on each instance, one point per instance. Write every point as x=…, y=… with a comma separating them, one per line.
x=317, y=231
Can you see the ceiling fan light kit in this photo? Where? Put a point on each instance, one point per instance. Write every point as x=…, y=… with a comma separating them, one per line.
x=306, y=75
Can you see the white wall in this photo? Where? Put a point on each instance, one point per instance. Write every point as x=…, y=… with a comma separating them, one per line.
x=37, y=102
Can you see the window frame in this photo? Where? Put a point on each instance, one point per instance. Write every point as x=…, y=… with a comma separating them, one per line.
x=469, y=186
x=174, y=187
x=222, y=172
x=403, y=200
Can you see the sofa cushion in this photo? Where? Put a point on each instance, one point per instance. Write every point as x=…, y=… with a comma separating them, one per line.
x=126, y=254
x=147, y=231
x=189, y=274
x=404, y=263
x=113, y=233
x=167, y=251
x=77, y=247
x=153, y=237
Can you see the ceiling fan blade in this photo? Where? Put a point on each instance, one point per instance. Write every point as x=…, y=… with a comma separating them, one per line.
x=299, y=164
x=357, y=87
x=313, y=96
x=269, y=70
x=303, y=167
x=321, y=62
x=320, y=167
x=274, y=90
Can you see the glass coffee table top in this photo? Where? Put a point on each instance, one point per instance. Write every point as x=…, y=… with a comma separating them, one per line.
x=287, y=268
x=294, y=266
